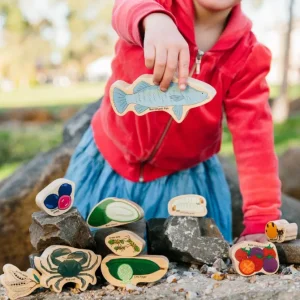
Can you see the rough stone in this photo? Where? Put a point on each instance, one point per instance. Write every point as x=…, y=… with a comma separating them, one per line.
x=289, y=252
x=68, y=229
x=138, y=228
x=289, y=171
x=18, y=192
x=31, y=259
x=187, y=239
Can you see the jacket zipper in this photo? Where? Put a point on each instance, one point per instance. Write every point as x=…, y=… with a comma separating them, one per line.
x=196, y=67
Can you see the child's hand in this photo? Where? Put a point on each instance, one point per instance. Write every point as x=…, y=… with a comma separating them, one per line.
x=165, y=50
x=259, y=237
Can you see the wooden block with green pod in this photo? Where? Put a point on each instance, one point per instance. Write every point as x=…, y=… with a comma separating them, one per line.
x=112, y=212
x=120, y=271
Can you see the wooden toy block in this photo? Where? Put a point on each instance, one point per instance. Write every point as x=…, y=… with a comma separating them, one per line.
x=280, y=231
x=61, y=264
x=17, y=283
x=143, y=96
x=112, y=212
x=125, y=243
x=56, y=198
x=187, y=205
x=120, y=271
x=250, y=258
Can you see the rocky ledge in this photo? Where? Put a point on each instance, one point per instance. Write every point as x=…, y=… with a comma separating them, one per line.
x=188, y=282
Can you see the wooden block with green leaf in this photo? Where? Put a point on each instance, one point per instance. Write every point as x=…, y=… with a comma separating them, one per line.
x=112, y=212
x=188, y=205
x=61, y=264
x=250, y=258
x=17, y=283
x=125, y=243
x=120, y=271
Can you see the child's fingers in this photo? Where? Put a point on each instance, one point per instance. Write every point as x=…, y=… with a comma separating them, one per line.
x=184, y=63
x=149, y=54
x=160, y=64
x=172, y=63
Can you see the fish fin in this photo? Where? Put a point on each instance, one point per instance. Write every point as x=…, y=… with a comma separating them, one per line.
x=119, y=99
x=140, y=108
x=141, y=86
x=177, y=97
x=178, y=111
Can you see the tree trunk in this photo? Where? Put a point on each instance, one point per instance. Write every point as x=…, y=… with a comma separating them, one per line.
x=281, y=104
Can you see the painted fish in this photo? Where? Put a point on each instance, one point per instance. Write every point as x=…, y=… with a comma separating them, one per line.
x=147, y=96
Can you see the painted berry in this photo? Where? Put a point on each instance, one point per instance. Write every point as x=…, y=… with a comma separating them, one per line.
x=241, y=254
x=256, y=251
x=64, y=202
x=269, y=251
x=258, y=262
x=270, y=264
x=247, y=267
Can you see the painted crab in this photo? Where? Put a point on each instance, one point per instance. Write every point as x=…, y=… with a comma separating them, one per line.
x=63, y=265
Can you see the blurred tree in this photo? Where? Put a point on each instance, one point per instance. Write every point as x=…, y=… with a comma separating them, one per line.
x=281, y=104
x=31, y=37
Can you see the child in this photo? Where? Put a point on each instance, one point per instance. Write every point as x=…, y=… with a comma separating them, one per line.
x=150, y=159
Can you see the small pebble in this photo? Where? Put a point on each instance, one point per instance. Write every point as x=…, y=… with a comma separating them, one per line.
x=219, y=265
x=204, y=269
x=173, y=271
x=252, y=279
x=188, y=274
x=180, y=281
x=132, y=287
x=173, y=279
x=211, y=270
x=286, y=271
x=191, y=295
x=218, y=276
x=110, y=287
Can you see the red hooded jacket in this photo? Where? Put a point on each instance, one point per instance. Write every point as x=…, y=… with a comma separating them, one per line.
x=143, y=148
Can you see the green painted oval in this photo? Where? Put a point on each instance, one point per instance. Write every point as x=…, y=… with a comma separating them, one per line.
x=138, y=266
x=98, y=215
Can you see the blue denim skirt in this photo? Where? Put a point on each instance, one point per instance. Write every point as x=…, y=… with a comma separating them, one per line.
x=95, y=180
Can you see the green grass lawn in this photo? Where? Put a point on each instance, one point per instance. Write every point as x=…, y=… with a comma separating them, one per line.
x=49, y=96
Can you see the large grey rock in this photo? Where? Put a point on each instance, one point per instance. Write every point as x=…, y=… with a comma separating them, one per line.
x=138, y=228
x=290, y=206
x=68, y=229
x=187, y=239
x=289, y=170
x=18, y=192
x=289, y=252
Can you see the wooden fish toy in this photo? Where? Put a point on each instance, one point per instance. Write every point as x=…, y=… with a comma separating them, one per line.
x=120, y=271
x=280, y=231
x=57, y=198
x=112, y=212
x=250, y=258
x=143, y=96
x=17, y=283
x=61, y=264
x=188, y=205
x=125, y=243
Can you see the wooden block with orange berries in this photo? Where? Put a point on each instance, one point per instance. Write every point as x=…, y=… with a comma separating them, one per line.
x=250, y=258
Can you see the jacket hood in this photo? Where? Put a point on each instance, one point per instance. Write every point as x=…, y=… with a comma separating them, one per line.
x=238, y=24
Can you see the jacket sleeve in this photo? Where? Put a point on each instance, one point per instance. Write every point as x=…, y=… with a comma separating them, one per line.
x=127, y=15
x=250, y=123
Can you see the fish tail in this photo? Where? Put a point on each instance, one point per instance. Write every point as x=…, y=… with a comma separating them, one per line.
x=119, y=99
